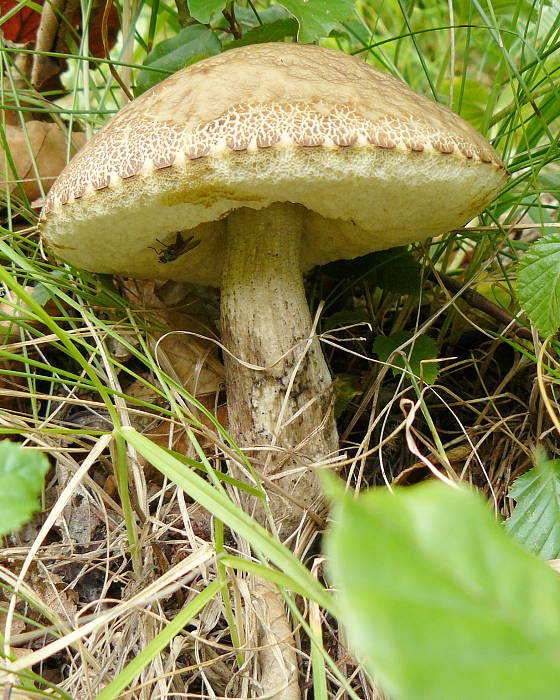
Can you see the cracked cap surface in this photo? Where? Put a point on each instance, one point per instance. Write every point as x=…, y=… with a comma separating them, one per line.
x=375, y=164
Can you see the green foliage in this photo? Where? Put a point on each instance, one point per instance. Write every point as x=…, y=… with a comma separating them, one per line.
x=276, y=30
x=439, y=602
x=470, y=98
x=170, y=55
x=538, y=284
x=204, y=10
x=423, y=348
x=317, y=18
x=346, y=387
x=22, y=474
x=394, y=270
x=535, y=522
x=311, y=20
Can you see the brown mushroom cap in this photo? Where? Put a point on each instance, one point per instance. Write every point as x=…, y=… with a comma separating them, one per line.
x=374, y=163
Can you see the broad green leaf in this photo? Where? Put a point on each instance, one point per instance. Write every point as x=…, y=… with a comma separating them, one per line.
x=535, y=522
x=173, y=54
x=22, y=474
x=346, y=388
x=317, y=18
x=204, y=10
x=439, y=603
x=273, y=31
x=549, y=181
x=424, y=348
x=538, y=284
x=394, y=270
x=470, y=99
x=41, y=294
x=247, y=19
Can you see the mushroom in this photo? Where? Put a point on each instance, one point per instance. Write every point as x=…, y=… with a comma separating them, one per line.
x=243, y=171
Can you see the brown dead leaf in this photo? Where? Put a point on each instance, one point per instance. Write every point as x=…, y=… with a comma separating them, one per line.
x=78, y=519
x=168, y=436
x=20, y=28
x=182, y=352
x=49, y=28
x=38, y=154
x=172, y=436
x=17, y=626
x=54, y=593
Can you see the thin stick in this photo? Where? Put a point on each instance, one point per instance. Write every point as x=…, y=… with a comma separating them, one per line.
x=480, y=302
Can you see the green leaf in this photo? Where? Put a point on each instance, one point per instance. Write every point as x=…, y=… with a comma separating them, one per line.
x=538, y=284
x=439, y=602
x=424, y=348
x=536, y=519
x=470, y=99
x=549, y=181
x=247, y=19
x=272, y=31
x=41, y=294
x=395, y=270
x=316, y=18
x=22, y=475
x=346, y=388
x=204, y=10
x=173, y=54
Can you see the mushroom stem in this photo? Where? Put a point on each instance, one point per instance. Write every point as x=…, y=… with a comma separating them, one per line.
x=284, y=406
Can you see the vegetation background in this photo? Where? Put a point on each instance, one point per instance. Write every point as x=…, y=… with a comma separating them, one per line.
x=114, y=590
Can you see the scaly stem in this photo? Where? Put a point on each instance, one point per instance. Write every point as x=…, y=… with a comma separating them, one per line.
x=285, y=405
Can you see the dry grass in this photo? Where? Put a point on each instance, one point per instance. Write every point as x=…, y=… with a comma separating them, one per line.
x=92, y=581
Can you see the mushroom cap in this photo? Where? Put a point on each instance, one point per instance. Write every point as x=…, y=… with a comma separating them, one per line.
x=374, y=163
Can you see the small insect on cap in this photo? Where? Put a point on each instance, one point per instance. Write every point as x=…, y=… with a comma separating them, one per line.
x=374, y=164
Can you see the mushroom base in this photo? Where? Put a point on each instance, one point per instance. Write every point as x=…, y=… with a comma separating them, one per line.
x=278, y=384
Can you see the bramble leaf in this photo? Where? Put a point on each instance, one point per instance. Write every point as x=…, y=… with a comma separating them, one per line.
x=538, y=284
x=535, y=522
x=317, y=18
x=438, y=601
x=263, y=33
x=204, y=10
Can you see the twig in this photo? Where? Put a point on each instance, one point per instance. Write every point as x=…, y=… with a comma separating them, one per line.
x=480, y=302
x=509, y=227
x=104, y=38
x=183, y=14
x=234, y=28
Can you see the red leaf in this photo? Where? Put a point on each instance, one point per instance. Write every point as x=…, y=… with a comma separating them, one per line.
x=113, y=27
x=22, y=27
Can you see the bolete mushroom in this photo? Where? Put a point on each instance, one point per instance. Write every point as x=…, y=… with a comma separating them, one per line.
x=243, y=171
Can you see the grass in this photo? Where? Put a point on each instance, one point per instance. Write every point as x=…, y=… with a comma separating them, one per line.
x=121, y=598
